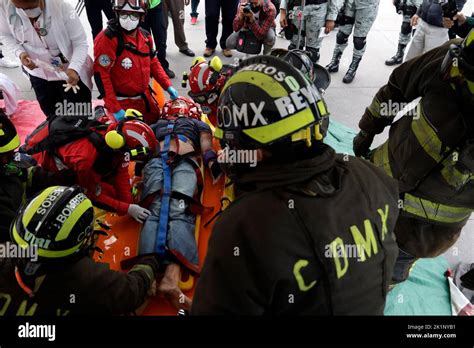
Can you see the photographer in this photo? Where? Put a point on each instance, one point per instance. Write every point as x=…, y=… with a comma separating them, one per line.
x=430, y=32
x=464, y=24
x=257, y=16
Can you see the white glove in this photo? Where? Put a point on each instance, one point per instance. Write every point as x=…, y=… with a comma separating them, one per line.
x=138, y=213
x=68, y=87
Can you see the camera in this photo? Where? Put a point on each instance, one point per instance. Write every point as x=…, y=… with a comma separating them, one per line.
x=247, y=7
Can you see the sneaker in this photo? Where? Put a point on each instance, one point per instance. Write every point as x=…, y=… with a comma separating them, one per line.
x=227, y=52
x=7, y=63
x=194, y=20
x=209, y=52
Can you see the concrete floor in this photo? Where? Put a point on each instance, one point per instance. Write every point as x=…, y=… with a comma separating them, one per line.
x=346, y=102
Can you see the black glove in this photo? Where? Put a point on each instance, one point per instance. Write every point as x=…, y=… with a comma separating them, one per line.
x=362, y=143
x=216, y=170
x=468, y=280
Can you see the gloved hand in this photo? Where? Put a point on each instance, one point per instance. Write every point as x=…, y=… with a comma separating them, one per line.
x=362, y=143
x=119, y=115
x=138, y=213
x=173, y=93
x=216, y=170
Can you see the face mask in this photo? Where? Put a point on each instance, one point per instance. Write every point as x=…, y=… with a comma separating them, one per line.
x=33, y=12
x=128, y=24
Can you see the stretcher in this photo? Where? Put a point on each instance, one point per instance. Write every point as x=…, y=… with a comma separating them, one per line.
x=121, y=242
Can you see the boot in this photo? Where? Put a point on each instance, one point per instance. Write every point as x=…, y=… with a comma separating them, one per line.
x=333, y=66
x=398, y=57
x=351, y=73
x=313, y=54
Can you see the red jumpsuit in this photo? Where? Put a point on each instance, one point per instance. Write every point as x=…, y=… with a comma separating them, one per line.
x=112, y=193
x=124, y=81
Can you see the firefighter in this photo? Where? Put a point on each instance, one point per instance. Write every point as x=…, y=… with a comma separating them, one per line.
x=206, y=80
x=57, y=276
x=429, y=151
x=282, y=247
x=19, y=177
x=407, y=8
x=125, y=60
x=357, y=16
x=169, y=231
x=99, y=160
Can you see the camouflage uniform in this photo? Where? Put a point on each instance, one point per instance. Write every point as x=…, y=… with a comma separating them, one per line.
x=314, y=19
x=357, y=16
x=407, y=8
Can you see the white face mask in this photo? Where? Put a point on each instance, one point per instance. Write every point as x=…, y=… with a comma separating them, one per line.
x=128, y=24
x=33, y=12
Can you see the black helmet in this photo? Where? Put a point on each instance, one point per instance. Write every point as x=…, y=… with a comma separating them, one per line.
x=58, y=223
x=9, y=139
x=460, y=56
x=269, y=102
x=302, y=61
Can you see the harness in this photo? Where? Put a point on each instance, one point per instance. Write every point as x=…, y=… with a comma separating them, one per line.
x=169, y=162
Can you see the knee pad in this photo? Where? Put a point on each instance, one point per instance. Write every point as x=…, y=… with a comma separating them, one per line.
x=359, y=42
x=406, y=28
x=341, y=38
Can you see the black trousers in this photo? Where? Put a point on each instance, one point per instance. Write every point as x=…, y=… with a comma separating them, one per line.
x=94, y=10
x=52, y=97
x=213, y=10
x=155, y=23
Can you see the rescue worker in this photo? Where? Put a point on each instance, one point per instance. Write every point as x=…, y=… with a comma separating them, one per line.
x=61, y=278
x=282, y=247
x=317, y=14
x=406, y=8
x=99, y=160
x=125, y=60
x=430, y=154
x=357, y=15
x=172, y=187
x=206, y=80
x=19, y=177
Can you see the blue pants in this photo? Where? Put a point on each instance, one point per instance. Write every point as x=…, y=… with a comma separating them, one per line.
x=181, y=225
x=213, y=11
x=194, y=8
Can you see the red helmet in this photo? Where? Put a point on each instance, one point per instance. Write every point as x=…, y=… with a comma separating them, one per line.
x=132, y=136
x=206, y=80
x=131, y=5
x=181, y=107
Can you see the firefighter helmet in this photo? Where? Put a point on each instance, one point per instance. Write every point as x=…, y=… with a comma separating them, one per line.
x=58, y=224
x=9, y=139
x=268, y=101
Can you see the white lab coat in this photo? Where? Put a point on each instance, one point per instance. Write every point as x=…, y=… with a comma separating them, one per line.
x=64, y=30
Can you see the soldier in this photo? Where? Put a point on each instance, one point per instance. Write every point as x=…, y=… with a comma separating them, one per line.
x=317, y=14
x=358, y=15
x=407, y=8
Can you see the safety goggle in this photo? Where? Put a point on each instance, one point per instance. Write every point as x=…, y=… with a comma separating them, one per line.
x=132, y=16
x=204, y=97
x=134, y=4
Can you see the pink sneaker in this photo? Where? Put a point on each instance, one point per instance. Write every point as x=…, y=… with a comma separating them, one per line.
x=194, y=20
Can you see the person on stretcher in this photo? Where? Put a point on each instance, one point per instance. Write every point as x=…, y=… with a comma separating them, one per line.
x=171, y=191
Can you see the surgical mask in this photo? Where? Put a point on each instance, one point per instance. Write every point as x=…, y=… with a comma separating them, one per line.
x=33, y=12
x=128, y=24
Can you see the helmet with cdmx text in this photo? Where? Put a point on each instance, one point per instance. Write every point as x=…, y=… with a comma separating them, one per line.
x=58, y=222
x=268, y=102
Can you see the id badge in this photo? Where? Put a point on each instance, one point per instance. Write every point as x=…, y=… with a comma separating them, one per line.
x=56, y=62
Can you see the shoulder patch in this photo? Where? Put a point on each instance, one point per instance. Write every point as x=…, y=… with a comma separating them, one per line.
x=104, y=60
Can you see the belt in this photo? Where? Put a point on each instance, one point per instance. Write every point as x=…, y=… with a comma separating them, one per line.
x=128, y=98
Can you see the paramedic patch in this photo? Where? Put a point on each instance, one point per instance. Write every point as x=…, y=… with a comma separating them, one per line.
x=104, y=60
x=127, y=63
